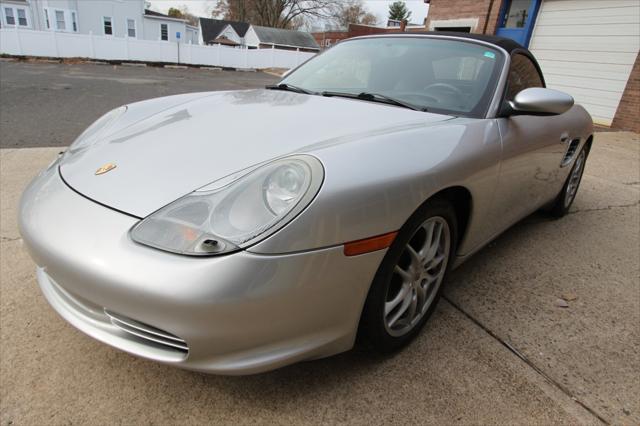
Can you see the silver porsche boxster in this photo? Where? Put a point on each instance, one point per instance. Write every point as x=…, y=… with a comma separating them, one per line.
x=237, y=232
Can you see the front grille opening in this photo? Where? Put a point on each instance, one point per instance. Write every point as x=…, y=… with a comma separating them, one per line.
x=148, y=334
x=571, y=152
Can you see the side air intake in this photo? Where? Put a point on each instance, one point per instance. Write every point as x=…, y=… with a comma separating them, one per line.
x=571, y=152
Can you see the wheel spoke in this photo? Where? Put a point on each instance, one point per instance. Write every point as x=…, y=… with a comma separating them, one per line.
x=406, y=276
x=406, y=302
x=431, y=279
x=435, y=243
x=415, y=257
x=402, y=294
x=412, y=308
x=436, y=261
x=429, y=237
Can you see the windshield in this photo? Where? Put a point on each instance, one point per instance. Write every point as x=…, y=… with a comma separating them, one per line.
x=439, y=75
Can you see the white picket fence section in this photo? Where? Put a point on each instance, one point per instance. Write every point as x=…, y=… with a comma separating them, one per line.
x=65, y=45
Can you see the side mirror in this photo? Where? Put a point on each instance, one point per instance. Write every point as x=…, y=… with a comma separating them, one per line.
x=539, y=101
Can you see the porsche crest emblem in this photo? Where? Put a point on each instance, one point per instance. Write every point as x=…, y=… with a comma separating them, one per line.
x=106, y=168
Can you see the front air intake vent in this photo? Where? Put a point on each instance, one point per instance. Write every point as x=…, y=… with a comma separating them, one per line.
x=147, y=333
x=571, y=152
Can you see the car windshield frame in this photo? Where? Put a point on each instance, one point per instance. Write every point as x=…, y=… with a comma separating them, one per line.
x=485, y=103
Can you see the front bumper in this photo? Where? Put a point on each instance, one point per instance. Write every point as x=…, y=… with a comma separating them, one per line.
x=236, y=314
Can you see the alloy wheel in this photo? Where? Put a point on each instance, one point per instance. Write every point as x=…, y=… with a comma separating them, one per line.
x=417, y=276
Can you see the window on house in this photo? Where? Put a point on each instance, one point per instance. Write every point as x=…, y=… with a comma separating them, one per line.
x=74, y=22
x=46, y=19
x=131, y=27
x=108, y=25
x=523, y=74
x=60, y=24
x=8, y=16
x=22, y=17
x=516, y=16
x=164, y=32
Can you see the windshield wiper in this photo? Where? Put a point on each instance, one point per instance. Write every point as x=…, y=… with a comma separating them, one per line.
x=376, y=97
x=290, y=88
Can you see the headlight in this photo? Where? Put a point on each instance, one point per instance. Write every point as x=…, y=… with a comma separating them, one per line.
x=229, y=216
x=94, y=131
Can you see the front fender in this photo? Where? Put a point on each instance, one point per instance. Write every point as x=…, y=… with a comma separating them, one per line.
x=373, y=185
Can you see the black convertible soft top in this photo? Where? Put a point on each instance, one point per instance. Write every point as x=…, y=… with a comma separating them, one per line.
x=506, y=43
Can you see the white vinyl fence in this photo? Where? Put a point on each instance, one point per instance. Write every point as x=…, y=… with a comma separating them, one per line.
x=64, y=45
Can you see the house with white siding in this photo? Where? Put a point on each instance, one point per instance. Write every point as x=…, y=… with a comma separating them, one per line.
x=113, y=18
x=232, y=33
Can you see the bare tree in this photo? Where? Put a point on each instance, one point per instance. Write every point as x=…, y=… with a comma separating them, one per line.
x=183, y=13
x=275, y=13
x=234, y=10
x=352, y=12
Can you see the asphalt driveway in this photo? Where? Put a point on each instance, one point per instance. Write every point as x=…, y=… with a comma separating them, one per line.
x=499, y=350
x=49, y=104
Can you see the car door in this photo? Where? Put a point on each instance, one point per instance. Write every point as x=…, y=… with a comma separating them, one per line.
x=532, y=150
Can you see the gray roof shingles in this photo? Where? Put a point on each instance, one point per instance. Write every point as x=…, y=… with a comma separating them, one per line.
x=211, y=28
x=282, y=37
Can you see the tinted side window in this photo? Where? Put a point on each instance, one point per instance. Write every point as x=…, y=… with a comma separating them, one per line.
x=522, y=75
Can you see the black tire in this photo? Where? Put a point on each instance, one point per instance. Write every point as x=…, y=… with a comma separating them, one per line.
x=561, y=205
x=372, y=330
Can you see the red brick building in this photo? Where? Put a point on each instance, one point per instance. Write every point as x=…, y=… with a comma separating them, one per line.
x=629, y=108
x=328, y=38
x=586, y=48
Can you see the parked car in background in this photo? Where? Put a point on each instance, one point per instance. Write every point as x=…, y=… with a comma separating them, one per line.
x=329, y=206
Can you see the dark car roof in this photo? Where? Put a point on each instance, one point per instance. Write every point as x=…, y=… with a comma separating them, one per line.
x=506, y=43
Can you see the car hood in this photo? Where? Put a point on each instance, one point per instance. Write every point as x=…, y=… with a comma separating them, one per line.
x=168, y=147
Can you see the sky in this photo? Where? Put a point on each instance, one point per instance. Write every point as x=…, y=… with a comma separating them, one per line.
x=377, y=7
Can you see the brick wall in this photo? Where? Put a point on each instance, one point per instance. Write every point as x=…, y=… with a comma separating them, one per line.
x=628, y=114
x=442, y=10
x=329, y=38
x=357, y=30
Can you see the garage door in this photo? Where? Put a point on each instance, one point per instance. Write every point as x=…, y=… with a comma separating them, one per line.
x=587, y=48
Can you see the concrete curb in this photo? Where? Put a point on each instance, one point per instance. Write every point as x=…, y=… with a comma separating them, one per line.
x=46, y=59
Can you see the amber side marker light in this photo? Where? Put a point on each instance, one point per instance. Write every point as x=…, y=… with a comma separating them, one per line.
x=367, y=245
